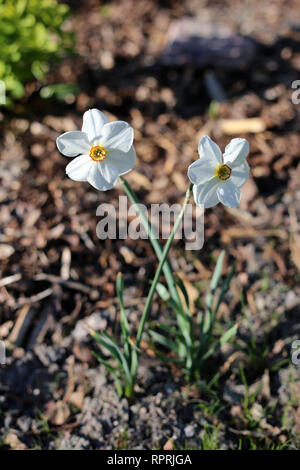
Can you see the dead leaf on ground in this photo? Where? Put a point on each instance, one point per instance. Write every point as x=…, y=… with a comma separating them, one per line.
x=11, y=439
x=58, y=413
x=241, y=126
x=77, y=397
x=168, y=445
x=6, y=251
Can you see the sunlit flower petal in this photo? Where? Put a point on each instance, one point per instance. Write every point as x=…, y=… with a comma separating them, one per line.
x=73, y=143
x=229, y=194
x=240, y=173
x=124, y=162
x=209, y=149
x=78, y=168
x=201, y=170
x=117, y=135
x=205, y=195
x=109, y=171
x=98, y=180
x=93, y=122
x=236, y=151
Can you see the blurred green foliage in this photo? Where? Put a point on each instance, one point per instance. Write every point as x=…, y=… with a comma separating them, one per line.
x=64, y=92
x=31, y=37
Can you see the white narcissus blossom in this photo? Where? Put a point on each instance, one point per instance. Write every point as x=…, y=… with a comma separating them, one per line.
x=103, y=150
x=216, y=177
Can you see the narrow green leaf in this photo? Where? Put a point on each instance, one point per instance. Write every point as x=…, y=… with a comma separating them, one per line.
x=161, y=339
x=123, y=319
x=228, y=334
x=165, y=358
x=112, y=372
x=120, y=288
x=224, y=339
x=184, y=292
x=215, y=280
x=106, y=364
x=113, y=346
x=225, y=288
x=110, y=344
x=163, y=292
x=167, y=270
x=217, y=271
x=107, y=345
x=183, y=319
x=134, y=361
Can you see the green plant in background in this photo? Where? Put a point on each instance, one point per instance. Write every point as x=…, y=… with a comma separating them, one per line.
x=31, y=38
x=191, y=342
x=64, y=92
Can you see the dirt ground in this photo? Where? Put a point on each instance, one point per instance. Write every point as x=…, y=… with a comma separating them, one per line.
x=56, y=274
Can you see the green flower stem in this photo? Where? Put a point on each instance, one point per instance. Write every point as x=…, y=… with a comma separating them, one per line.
x=160, y=267
x=154, y=241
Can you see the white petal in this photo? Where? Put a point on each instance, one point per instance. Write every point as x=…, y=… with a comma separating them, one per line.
x=207, y=148
x=117, y=135
x=229, y=194
x=236, y=151
x=124, y=162
x=93, y=122
x=205, y=195
x=73, y=143
x=101, y=176
x=109, y=172
x=239, y=173
x=78, y=169
x=201, y=170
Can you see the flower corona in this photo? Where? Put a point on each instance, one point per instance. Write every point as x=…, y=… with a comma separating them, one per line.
x=223, y=172
x=98, y=153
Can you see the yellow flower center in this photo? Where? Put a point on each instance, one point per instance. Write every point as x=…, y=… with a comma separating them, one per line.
x=98, y=153
x=223, y=172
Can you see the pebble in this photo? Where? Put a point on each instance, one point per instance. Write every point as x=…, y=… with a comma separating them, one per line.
x=189, y=430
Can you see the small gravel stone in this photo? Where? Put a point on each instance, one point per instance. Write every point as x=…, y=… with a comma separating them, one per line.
x=95, y=321
x=189, y=430
x=24, y=423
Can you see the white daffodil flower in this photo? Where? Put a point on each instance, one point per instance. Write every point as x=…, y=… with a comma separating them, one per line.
x=218, y=178
x=104, y=150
